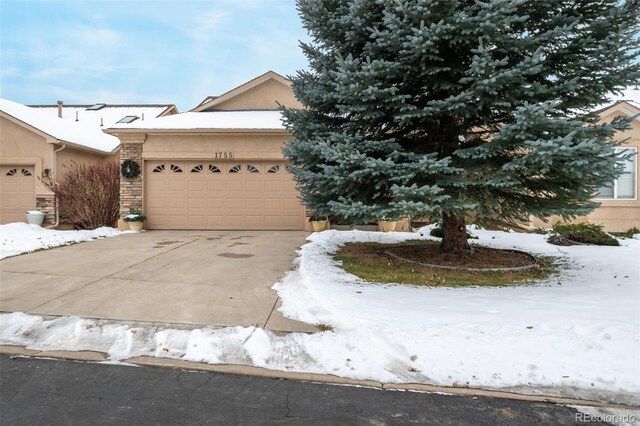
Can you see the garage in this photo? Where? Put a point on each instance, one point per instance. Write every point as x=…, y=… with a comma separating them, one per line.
x=17, y=192
x=219, y=195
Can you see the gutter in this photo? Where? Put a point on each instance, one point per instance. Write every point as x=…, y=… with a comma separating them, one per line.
x=57, y=207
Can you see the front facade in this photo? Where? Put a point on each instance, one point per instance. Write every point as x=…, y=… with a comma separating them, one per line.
x=219, y=166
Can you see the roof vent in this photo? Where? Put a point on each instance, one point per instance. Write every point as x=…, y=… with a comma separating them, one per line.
x=96, y=107
x=128, y=119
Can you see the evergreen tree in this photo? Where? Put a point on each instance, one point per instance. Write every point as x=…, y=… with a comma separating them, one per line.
x=459, y=107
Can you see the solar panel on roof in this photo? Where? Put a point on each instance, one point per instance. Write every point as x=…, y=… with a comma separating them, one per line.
x=128, y=119
x=96, y=107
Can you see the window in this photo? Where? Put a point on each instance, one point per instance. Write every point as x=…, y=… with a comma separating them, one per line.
x=128, y=119
x=274, y=169
x=176, y=169
x=96, y=107
x=623, y=188
x=159, y=169
x=252, y=169
x=197, y=169
x=235, y=169
x=26, y=172
x=214, y=169
x=12, y=172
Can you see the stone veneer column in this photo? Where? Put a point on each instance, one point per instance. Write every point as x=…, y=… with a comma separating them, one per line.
x=47, y=205
x=131, y=188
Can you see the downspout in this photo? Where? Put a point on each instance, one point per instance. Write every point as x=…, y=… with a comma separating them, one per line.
x=55, y=170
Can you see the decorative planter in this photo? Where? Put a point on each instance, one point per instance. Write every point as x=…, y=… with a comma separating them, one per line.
x=35, y=217
x=136, y=226
x=387, y=225
x=319, y=225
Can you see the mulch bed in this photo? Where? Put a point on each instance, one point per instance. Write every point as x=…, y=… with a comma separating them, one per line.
x=482, y=257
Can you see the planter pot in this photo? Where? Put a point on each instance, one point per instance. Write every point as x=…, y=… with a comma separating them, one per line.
x=135, y=226
x=387, y=226
x=319, y=226
x=35, y=217
x=123, y=225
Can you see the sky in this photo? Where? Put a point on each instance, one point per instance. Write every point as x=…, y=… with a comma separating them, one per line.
x=175, y=52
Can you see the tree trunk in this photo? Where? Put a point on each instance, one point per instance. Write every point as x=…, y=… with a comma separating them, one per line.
x=455, y=234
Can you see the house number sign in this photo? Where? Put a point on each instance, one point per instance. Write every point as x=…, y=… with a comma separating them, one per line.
x=226, y=154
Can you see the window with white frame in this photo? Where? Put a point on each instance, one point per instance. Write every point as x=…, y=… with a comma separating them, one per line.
x=623, y=188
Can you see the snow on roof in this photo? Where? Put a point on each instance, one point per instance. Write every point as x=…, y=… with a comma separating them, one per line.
x=107, y=115
x=84, y=133
x=271, y=120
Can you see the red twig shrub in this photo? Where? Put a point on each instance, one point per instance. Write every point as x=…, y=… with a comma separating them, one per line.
x=88, y=194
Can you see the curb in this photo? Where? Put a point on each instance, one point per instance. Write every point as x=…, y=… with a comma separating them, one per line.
x=246, y=370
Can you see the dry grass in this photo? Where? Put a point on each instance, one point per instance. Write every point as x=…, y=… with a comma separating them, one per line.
x=368, y=261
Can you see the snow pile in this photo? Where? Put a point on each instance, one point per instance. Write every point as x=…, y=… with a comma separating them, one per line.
x=577, y=334
x=17, y=238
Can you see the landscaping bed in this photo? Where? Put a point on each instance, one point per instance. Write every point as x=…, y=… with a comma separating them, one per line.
x=373, y=262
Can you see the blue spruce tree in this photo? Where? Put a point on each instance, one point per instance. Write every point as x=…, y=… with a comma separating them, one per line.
x=459, y=108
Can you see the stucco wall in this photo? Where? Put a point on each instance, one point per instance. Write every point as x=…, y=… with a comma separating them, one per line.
x=264, y=96
x=192, y=146
x=19, y=145
x=68, y=156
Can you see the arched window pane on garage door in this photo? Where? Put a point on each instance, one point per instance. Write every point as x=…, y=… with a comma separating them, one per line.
x=197, y=169
x=176, y=169
x=12, y=172
x=214, y=169
x=159, y=169
x=252, y=169
x=235, y=169
x=274, y=169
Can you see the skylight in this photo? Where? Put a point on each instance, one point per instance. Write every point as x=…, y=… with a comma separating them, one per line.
x=128, y=119
x=96, y=107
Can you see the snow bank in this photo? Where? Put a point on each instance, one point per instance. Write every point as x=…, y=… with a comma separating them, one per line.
x=17, y=238
x=576, y=335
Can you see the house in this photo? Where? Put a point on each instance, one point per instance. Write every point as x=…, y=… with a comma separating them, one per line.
x=619, y=205
x=41, y=140
x=219, y=166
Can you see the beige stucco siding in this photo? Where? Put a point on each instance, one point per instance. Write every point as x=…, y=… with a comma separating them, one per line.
x=264, y=96
x=69, y=156
x=193, y=146
x=20, y=145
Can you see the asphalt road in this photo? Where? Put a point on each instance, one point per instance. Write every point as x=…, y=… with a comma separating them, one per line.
x=52, y=392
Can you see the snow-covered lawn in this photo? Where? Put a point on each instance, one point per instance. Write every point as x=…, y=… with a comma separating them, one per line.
x=17, y=238
x=574, y=335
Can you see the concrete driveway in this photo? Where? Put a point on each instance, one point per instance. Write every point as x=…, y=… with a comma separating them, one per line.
x=220, y=278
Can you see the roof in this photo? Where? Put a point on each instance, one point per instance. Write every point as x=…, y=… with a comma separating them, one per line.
x=211, y=101
x=209, y=120
x=86, y=132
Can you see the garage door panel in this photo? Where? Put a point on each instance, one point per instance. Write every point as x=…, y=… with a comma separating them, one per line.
x=273, y=203
x=273, y=186
x=234, y=186
x=253, y=203
x=201, y=198
x=257, y=186
x=254, y=221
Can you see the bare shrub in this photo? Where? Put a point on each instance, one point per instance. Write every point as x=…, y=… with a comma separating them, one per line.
x=88, y=194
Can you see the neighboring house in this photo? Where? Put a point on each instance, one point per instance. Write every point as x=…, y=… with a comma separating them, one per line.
x=41, y=140
x=619, y=205
x=219, y=166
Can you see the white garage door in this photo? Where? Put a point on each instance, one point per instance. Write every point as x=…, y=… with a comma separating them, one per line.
x=17, y=192
x=258, y=195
